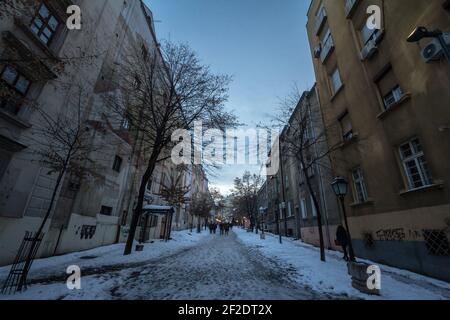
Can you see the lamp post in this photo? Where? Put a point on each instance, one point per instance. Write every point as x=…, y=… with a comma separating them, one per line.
x=421, y=32
x=340, y=188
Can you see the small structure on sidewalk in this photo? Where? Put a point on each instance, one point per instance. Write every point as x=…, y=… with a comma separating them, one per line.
x=163, y=214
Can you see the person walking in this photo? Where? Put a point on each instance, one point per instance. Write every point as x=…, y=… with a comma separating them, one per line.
x=342, y=240
x=227, y=229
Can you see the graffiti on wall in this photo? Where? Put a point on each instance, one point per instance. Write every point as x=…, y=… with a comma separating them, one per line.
x=399, y=234
x=87, y=231
x=391, y=234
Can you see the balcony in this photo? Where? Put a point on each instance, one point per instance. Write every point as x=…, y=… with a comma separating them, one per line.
x=350, y=6
x=327, y=48
x=321, y=17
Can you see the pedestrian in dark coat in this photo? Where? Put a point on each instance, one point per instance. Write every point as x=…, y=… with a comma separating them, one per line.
x=342, y=240
x=227, y=228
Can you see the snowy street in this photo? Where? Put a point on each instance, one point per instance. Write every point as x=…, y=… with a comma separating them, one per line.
x=240, y=266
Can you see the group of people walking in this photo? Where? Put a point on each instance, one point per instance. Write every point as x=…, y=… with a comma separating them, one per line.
x=224, y=228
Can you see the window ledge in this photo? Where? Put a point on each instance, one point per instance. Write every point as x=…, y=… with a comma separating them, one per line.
x=403, y=99
x=16, y=120
x=435, y=186
x=349, y=142
x=337, y=93
x=367, y=203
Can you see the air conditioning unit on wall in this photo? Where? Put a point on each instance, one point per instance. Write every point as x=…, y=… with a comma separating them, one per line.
x=433, y=50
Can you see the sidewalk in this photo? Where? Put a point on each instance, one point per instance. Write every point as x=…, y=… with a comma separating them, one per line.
x=107, y=257
x=332, y=278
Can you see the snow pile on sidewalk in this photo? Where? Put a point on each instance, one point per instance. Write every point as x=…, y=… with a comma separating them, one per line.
x=104, y=257
x=332, y=277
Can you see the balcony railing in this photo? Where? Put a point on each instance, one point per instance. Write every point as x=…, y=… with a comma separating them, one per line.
x=327, y=48
x=320, y=20
x=350, y=6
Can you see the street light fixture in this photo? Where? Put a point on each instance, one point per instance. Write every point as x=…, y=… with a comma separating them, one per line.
x=340, y=188
x=420, y=33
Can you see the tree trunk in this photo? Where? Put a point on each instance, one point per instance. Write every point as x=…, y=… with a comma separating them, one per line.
x=28, y=261
x=138, y=210
x=319, y=214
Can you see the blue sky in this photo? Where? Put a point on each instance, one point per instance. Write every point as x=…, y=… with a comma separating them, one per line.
x=261, y=43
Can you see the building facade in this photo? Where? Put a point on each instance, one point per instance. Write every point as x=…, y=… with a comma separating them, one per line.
x=41, y=66
x=390, y=100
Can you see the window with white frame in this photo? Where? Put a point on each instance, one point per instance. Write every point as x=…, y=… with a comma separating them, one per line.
x=313, y=206
x=359, y=186
x=336, y=82
x=415, y=165
x=303, y=208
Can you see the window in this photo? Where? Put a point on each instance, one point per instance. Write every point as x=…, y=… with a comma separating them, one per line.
x=368, y=34
x=415, y=165
x=16, y=80
x=125, y=124
x=327, y=46
x=346, y=127
x=313, y=207
x=392, y=97
x=117, y=164
x=19, y=83
x=359, y=186
x=389, y=88
x=336, y=82
x=436, y=242
x=107, y=211
x=289, y=209
x=44, y=24
x=303, y=208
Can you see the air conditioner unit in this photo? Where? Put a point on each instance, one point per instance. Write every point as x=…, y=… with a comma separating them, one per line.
x=317, y=51
x=369, y=50
x=433, y=50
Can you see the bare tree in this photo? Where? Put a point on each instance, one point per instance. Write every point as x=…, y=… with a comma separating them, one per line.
x=201, y=206
x=245, y=196
x=159, y=92
x=304, y=139
x=62, y=143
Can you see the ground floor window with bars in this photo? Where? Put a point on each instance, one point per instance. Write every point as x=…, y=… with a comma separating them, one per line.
x=436, y=242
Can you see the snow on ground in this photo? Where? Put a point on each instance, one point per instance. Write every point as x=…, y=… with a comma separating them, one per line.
x=194, y=266
x=107, y=257
x=214, y=267
x=332, y=277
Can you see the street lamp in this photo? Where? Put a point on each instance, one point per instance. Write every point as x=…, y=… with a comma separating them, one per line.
x=421, y=32
x=340, y=188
